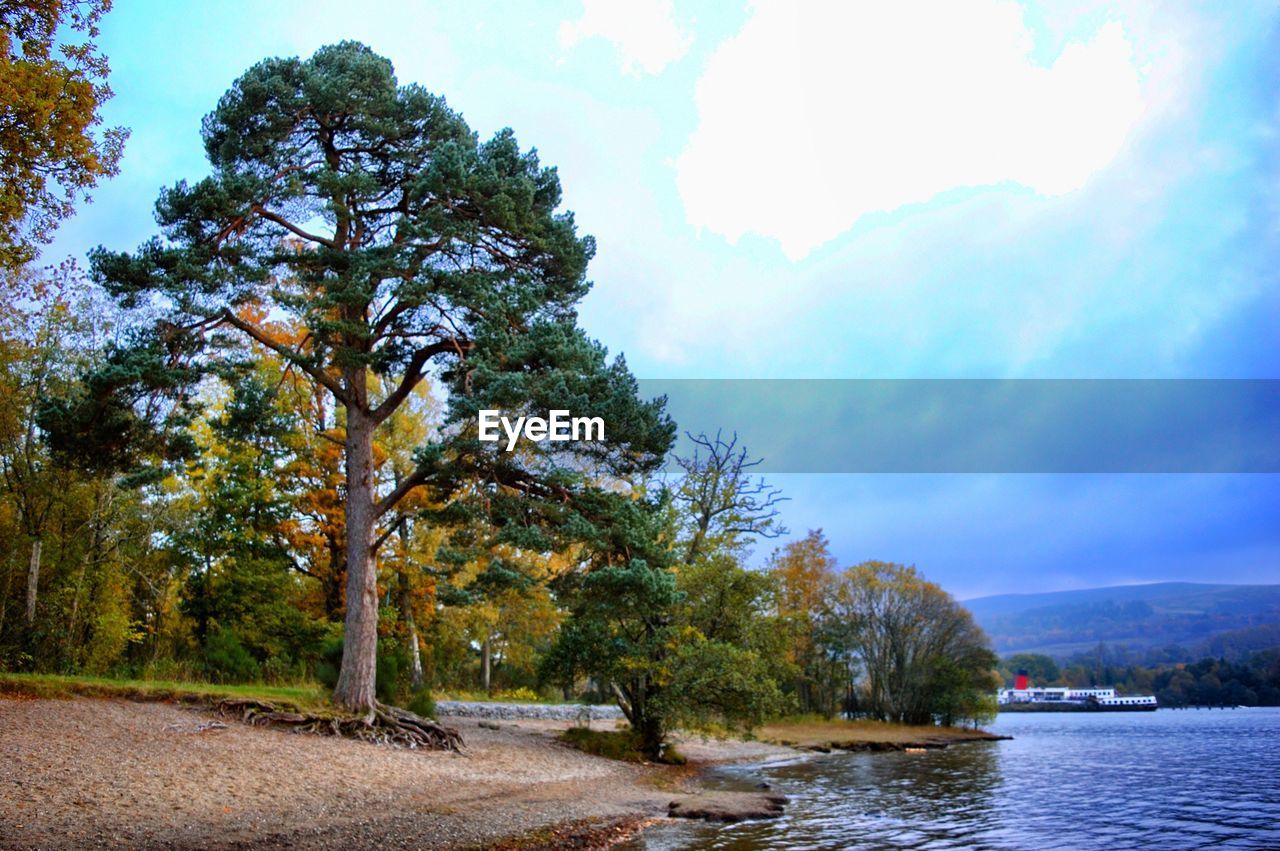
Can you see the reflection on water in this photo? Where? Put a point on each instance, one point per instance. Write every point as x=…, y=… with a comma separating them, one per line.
x=1169, y=779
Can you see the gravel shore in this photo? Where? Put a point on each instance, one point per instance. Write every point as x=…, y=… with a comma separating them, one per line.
x=112, y=774
x=100, y=773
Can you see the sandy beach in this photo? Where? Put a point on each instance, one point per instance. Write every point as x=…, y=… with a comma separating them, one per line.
x=87, y=773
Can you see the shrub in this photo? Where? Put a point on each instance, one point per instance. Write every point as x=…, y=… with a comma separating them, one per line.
x=610, y=744
x=281, y=670
x=168, y=670
x=112, y=633
x=422, y=703
x=391, y=662
x=521, y=693
x=330, y=662
x=616, y=744
x=671, y=756
x=227, y=660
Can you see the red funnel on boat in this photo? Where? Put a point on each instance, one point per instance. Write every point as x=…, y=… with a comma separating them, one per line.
x=1020, y=682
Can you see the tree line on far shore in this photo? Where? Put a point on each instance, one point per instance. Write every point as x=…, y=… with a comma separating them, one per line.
x=247, y=451
x=1253, y=679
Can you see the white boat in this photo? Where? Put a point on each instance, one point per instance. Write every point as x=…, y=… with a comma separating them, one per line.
x=1023, y=697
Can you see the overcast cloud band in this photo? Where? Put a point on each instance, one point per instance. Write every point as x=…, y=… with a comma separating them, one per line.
x=988, y=425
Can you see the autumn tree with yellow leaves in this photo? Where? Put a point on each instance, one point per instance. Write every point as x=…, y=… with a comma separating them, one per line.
x=52, y=150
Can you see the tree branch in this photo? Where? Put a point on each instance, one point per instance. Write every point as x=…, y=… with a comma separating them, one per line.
x=382, y=539
x=327, y=381
x=290, y=226
x=413, y=374
x=408, y=483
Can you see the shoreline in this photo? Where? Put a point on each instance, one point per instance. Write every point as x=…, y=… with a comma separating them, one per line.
x=94, y=772
x=707, y=753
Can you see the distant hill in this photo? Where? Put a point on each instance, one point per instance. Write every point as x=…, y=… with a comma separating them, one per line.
x=1183, y=613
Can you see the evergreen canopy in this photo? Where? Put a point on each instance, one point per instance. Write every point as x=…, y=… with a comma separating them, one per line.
x=359, y=230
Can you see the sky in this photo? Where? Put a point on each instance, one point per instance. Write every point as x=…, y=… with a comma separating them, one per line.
x=785, y=189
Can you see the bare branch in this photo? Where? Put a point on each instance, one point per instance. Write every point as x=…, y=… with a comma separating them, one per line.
x=722, y=499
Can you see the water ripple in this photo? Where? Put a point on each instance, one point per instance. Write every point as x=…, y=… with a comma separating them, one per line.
x=1170, y=779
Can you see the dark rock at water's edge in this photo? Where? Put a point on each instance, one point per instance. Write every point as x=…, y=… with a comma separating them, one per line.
x=727, y=806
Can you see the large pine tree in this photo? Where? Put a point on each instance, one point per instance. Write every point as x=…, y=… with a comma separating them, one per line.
x=369, y=214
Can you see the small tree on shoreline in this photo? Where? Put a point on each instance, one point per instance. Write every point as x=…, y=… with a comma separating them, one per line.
x=923, y=658
x=666, y=617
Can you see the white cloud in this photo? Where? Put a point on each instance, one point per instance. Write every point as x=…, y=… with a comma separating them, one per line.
x=816, y=114
x=643, y=32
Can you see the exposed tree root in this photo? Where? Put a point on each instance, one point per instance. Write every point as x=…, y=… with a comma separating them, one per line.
x=384, y=725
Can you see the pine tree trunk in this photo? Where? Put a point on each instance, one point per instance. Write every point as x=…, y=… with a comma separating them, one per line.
x=33, y=580
x=357, y=678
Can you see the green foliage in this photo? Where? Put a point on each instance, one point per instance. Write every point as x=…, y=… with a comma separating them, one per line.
x=667, y=619
x=358, y=231
x=717, y=684
x=112, y=632
x=924, y=660
x=722, y=508
x=518, y=695
x=622, y=745
x=171, y=670
x=509, y=306
x=330, y=660
x=392, y=666
x=620, y=632
x=1254, y=681
x=815, y=643
x=1239, y=644
x=1041, y=670
x=728, y=602
x=963, y=690
x=242, y=574
x=1251, y=680
x=282, y=670
x=227, y=660
x=740, y=649
x=632, y=629
x=99, y=424
x=52, y=686
x=422, y=703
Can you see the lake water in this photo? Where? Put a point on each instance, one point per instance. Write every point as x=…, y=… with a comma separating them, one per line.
x=1167, y=779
